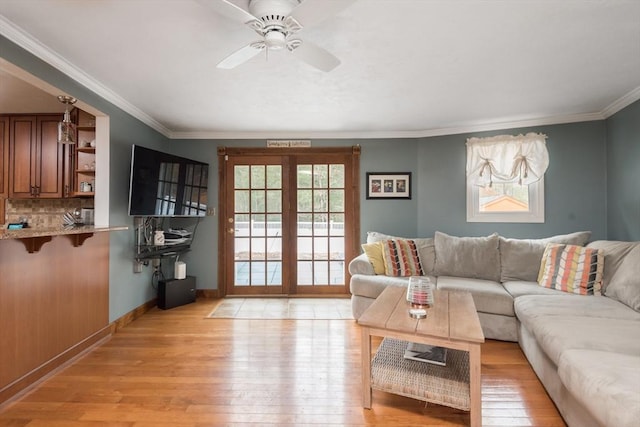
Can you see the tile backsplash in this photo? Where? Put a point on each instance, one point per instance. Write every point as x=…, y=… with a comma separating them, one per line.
x=41, y=213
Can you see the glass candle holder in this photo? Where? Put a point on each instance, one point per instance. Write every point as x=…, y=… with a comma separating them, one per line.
x=419, y=296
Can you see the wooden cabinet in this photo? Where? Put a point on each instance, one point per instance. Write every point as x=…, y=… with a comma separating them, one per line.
x=84, y=169
x=36, y=160
x=4, y=165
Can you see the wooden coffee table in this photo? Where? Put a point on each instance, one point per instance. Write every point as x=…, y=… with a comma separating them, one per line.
x=452, y=323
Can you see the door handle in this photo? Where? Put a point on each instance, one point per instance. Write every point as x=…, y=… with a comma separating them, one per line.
x=230, y=230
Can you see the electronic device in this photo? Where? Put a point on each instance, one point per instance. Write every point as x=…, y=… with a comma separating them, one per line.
x=166, y=185
x=176, y=292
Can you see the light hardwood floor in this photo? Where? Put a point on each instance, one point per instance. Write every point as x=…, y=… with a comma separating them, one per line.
x=176, y=368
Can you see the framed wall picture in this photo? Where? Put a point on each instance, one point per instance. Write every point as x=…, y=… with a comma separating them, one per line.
x=388, y=185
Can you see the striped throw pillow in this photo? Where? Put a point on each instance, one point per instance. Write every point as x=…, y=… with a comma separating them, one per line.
x=401, y=258
x=573, y=269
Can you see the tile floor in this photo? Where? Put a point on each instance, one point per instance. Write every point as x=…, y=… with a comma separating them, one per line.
x=283, y=308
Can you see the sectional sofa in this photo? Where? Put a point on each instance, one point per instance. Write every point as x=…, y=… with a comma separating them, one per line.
x=585, y=349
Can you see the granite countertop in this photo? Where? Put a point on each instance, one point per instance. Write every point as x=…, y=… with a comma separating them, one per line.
x=55, y=231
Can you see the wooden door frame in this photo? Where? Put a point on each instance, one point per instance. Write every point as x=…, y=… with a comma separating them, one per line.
x=351, y=242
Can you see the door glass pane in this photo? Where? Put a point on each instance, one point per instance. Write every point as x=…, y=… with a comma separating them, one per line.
x=274, y=176
x=305, y=200
x=336, y=176
x=320, y=200
x=274, y=201
x=258, y=251
x=336, y=200
x=274, y=273
x=304, y=176
x=321, y=248
x=241, y=273
x=258, y=274
x=320, y=176
x=337, y=224
x=258, y=176
x=305, y=224
x=241, y=201
x=274, y=225
x=320, y=225
x=274, y=248
x=305, y=248
x=336, y=273
x=257, y=225
x=241, y=176
x=258, y=203
x=305, y=273
x=241, y=225
x=320, y=273
x=336, y=248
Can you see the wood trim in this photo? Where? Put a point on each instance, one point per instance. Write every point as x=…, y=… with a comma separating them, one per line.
x=208, y=293
x=287, y=155
x=222, y=235
x=286, y=151
x=34, y=244
x=38, y=374
x=129, y=317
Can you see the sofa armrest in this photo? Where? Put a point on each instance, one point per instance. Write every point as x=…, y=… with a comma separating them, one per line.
x=361, y=265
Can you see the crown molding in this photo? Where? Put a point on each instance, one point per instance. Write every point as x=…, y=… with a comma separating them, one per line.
x=467, y=128
x=32, y=45
x=622, y=102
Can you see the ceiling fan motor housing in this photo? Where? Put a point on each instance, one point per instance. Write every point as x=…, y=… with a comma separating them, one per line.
x=272, y=11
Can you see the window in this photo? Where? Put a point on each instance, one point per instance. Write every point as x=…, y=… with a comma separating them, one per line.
x=505, y=178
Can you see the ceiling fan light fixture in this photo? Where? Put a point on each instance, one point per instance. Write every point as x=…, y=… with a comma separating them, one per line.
x=66, y=128
x=275, y=40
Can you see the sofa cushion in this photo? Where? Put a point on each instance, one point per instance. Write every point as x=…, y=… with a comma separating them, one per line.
x=372, y=286
x=528, y=308
x=518, y=288
x=573, y=269
x=520, y=258
x=401, y=258
x=488, y=296
x=605, y=383
x=614, y=253
x=374, y=254
x=425, y=246
x=473, y=257
x=625, y=283
x=557, y=334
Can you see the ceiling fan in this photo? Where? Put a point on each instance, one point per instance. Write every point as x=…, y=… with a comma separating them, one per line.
x=277, y=21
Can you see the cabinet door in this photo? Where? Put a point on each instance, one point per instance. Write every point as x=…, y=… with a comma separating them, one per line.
x=4, y=165
x=49, y=170
x=22, y=156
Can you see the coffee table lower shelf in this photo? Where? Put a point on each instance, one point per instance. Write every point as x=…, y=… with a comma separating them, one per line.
x=443, y=385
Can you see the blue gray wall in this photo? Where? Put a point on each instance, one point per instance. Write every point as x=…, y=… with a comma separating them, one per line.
x=127, y=290
x=591, y=163
x=623, y=174
x=576, y=153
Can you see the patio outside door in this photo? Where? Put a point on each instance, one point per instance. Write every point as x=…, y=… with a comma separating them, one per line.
x=290, y=223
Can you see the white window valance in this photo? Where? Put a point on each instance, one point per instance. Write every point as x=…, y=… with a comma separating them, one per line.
x=506, y=158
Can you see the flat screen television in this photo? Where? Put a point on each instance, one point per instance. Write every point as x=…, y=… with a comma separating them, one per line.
x=165, y=185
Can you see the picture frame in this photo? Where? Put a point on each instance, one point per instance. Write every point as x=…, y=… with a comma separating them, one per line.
x=388, y=185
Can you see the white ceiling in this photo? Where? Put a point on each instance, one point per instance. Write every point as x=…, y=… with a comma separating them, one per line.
x=409, y=67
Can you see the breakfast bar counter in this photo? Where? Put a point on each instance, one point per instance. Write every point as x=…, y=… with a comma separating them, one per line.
x=54, y=299
x=34, y=238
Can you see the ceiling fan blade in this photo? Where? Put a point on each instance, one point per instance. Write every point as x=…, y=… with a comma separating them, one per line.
x=311, y=12
x=238, y=57
x=316, y=56
x=228, y=9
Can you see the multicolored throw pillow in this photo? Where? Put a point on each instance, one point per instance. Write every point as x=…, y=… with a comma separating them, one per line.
x=571, y=268
x=401, y=258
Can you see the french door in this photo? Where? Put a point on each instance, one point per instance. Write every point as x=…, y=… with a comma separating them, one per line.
x=289, y=220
